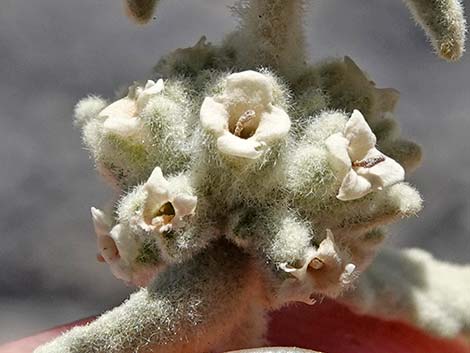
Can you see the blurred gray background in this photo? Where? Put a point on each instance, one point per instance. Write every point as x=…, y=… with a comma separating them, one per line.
x=54, y=52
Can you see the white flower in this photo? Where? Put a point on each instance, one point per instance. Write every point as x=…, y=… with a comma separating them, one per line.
x=122, y=116
x=243, y=118
x=118, y=248
x=359, y=164
x=323, y=272
x=164, y=210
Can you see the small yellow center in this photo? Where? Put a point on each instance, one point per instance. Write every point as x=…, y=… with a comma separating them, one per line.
x=166, y=212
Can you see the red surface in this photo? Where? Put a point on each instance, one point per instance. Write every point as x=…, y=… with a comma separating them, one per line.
x=332, y=328
x=328, y=327
x=28, y=344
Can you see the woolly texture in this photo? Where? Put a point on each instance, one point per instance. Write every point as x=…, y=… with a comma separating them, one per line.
x=147, y=128
x=248, y=179
x=444, y=23
x=129, y=255
x=179, y=312
x=270, y=34
x=412, y=286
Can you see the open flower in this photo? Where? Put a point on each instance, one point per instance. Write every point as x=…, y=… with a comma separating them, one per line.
x=323, y=271
x=164, y=210
x=358, y=163
x=119, y=249
x=122, y=116
x=243, y=118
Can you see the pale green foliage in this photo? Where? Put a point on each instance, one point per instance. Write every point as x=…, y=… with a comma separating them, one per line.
x=168, y=118
x=191, y=61
x=411, y=285
x=444, y=23
x=350, y=88
x=164, y=140
x=130, y=205
x=278, y=233
x=310, y=178
x=268, y=227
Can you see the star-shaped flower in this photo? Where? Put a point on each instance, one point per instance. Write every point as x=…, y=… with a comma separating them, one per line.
x=164, y=210
x=361, y=166
x=122, y=116
x=243, y=118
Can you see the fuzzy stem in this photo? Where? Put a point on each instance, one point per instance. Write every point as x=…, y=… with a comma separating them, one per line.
x=271, y=34
x=444, y=23
x=192, y=307
x=411, y=286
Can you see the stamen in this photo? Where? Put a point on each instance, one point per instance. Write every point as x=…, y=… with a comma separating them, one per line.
x=167, y=212
x=368, y=163
x=166, y=209
x=243, y=120
x=316, y=263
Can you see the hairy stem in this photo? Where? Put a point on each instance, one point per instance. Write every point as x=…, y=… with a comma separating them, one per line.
x=271, y=34
x=411, y=286
x=444, y=23
x=192, y=307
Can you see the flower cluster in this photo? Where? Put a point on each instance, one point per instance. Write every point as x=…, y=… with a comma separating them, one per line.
x=246, y=120
x=244, y=189
x=232, y=190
